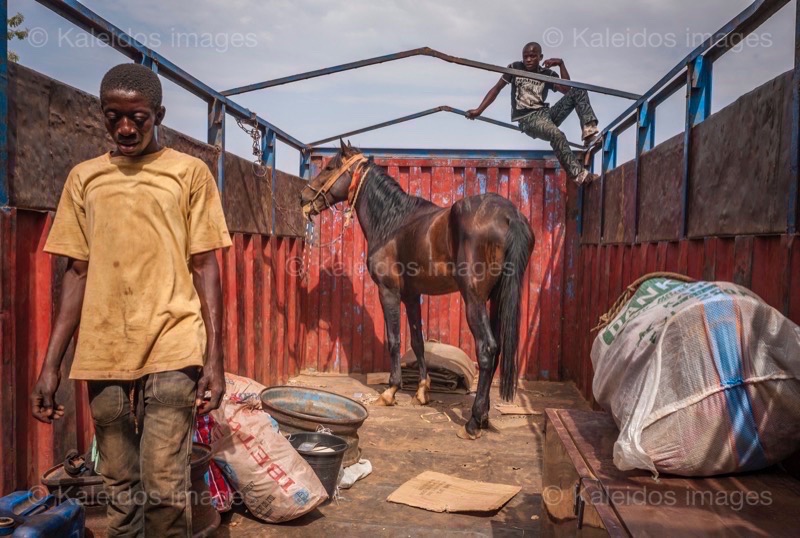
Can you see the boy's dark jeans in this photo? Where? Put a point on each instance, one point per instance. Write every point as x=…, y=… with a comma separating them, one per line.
x=146, y=473
x=543, y=124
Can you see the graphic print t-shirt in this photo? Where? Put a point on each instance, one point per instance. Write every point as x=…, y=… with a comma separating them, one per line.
x=527, y=94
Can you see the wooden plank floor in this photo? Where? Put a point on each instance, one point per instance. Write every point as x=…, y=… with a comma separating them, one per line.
x=402, y=442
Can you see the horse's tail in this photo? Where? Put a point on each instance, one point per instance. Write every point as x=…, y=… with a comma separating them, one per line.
x=519, y=245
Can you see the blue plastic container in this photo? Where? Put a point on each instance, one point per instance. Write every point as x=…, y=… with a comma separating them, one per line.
x=26, y=514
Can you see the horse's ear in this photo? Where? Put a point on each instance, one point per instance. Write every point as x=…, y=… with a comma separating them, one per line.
x=343, y=147
x=349, y=145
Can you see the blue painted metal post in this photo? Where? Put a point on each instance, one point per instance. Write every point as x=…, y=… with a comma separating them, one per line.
x=795, y=149
x=645, y=140
x=698, y=108
x=609, y=162
x=4, y=172
x=268, y=159
x=305, y=164
x=147, y=61
x=216, y=137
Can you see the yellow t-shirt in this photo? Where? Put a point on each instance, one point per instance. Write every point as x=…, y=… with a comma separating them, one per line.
x=137, y=220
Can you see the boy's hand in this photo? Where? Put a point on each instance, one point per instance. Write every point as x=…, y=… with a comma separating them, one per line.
x=550, y=62
x=43, y=406
x=213, y=382
x=472, y=114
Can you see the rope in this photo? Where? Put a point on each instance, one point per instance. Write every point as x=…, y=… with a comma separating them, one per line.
x=623, y=299
x=307, y=235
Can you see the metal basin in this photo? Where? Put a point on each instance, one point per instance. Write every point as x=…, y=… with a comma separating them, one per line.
x=302, y=409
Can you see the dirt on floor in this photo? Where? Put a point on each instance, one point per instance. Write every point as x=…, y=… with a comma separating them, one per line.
x=406, y=440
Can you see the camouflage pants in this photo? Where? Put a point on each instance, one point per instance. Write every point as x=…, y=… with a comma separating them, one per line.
x=543, y=124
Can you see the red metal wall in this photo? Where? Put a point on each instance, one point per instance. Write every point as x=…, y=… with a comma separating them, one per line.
x=342, y=314
x=769, y=265
x=261, y=335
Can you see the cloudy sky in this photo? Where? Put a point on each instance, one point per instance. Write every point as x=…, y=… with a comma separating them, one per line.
x=625, y=44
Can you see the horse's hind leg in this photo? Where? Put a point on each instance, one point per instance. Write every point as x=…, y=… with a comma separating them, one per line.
x=494, y=317
x=414, y=314
x=486, y=348
x=390, y=301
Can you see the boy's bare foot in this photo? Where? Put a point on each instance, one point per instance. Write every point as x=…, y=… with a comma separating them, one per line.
x=586, y=177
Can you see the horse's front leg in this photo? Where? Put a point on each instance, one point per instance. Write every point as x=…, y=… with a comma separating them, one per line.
x=414, y=313
x=390, y=302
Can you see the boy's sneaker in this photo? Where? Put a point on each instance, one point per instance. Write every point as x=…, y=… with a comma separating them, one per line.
x=586, y=177
x=590, y=135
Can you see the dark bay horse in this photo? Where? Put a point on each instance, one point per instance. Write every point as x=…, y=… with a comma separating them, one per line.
x=479, y=247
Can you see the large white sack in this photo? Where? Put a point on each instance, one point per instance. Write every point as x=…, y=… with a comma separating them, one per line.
x=276, y=483
x=701, y=378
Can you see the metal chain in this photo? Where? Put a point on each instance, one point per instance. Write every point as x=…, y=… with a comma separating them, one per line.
x=259, y=168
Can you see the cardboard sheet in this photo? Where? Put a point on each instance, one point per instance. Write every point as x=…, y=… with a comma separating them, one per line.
x=442, y=493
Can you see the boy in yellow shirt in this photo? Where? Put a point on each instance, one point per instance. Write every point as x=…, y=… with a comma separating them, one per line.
x=139, y=226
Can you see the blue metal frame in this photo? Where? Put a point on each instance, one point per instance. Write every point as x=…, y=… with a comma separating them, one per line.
x=409, y=153
x=4, y=192
x=698, y=108
x=99, y=27
x=695, y=73
x=609, y=162
x=645, y=140
x=418, y=115
x=427, y=51
x=216, y=137
x=305, y=163
x=795, y=149
x=697, y=67
x=268, y=156
x=742, y=25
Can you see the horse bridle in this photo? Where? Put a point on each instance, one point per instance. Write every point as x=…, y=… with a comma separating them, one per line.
x=358, y=159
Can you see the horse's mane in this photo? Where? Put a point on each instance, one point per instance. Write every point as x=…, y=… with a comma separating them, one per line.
x=387, y=204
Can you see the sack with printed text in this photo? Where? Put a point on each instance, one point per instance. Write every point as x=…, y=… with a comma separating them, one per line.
x=702, y=378
x=275, y=482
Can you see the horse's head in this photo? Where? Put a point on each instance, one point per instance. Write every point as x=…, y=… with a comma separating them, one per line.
x=332, y=184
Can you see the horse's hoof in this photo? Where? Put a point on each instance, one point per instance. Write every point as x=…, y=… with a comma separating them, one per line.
x=383, y=402
x=462, y=433
x=416, y=400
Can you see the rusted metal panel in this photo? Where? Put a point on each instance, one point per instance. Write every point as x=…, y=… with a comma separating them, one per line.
x=230, y=312
x=659, y=191
x=570, y=299
x=8, y=384
x=555, y=216
x=743, y=261
x=740, y=165
x=769, y=274
x=289, y=221
x=191, y=146
x=31, y=178
x=592, y=200
x=246, y=197
x=620, y=204
x=53, y=127
x=343, y=319
x=794, y=273
x=767, y=264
